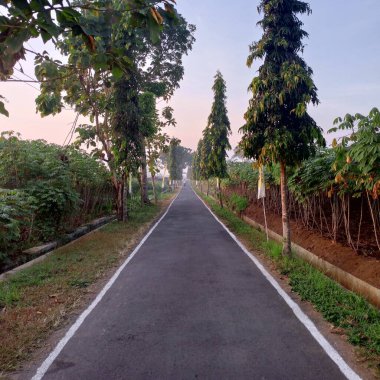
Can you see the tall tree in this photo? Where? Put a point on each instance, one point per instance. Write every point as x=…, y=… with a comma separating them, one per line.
x=217, y=132
x=278, y=128
x=110, y=98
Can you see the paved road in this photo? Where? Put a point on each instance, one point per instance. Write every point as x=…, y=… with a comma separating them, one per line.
x=191, y=305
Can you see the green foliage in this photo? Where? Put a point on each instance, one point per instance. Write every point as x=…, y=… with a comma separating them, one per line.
x=238, y=203
x=242, y=172
x=46, y=188
x=16, y=217
x=247, y=174
x=341, y=308
x=90, y=22
x=217, y=132
x=210, y=158
x=278, y=127
x=179, y=158
x=313, y=176
x=357, y=163
x=54, y=200
x=127, y=143
x=119, y=96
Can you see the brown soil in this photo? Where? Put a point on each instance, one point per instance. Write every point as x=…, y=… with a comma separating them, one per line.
x=365, y=268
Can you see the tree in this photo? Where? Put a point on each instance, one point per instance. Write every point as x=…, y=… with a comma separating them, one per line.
x=217, y=132
x=155, y=141
x=21, y=21
x=111, y=98
x=204, y=159
x=200, y=160
x=196, y=162
x=278, y=128
x=179, y=157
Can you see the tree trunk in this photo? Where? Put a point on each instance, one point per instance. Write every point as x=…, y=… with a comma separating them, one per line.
x=219, y=190
x=154, y=188
x=125, y=199
x=119, y=188
x=163, y=179
x=208, y=187
x=130, y=184
x=144, y=179
x=139, y=177
x=286, y=248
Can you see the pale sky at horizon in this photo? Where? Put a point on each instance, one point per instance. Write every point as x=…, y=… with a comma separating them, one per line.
x=343, y=50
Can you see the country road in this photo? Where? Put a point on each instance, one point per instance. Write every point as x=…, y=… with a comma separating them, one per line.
x=191, y=305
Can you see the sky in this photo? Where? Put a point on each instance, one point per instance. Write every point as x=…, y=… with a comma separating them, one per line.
x=343, y=49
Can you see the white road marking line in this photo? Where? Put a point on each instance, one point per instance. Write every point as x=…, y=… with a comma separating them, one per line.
x=74, y=328
x=304, y=319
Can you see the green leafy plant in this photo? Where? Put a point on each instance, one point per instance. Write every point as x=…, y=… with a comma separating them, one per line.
x=238, y=203
x=16, y=220
x=46, y=190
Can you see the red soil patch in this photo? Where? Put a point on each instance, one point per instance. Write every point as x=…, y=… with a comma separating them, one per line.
x=365, y=268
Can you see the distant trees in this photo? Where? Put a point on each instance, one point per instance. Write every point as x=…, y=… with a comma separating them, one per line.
x=210, y=158
x=278, y=128
x=178, y=158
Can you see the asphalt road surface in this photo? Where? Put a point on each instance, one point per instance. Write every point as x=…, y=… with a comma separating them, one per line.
x=192, y=305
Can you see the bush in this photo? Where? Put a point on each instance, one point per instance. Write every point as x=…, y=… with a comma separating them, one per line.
x=47, y=190
x=238, y=203
x=16, y=220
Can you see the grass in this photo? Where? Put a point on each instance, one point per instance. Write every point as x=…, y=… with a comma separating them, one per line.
x=41, y=299
x=347, y=311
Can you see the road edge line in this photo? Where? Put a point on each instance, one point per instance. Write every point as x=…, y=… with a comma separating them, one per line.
x=44, y=367
x=301, y=316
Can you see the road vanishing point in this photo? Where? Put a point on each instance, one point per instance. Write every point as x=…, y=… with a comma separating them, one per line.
x=191, y=304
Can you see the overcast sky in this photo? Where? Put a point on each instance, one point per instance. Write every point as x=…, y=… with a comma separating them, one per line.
x=343, y=50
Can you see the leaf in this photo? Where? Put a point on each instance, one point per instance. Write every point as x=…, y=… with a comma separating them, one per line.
x=156, y=16
x=22, y=5
x=16, y=41
x=3, y=110
x=154, y=29
x=117, y=72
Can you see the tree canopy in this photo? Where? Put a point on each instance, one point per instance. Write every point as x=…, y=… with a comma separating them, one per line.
x=278, y=126
x=91, y=21
x=217, y=130
x=179, y=157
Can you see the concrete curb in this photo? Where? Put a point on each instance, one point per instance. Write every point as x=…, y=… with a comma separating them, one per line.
x=43, y=251
x=347, y=280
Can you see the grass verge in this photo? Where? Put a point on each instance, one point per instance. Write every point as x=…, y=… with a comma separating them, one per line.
x=40, y=299
x=348, y=312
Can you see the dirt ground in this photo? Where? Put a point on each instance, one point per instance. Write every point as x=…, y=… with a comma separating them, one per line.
x=365, y=268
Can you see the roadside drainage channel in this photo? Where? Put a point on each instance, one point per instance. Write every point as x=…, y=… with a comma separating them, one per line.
x=347, y=280
x=45, y=250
